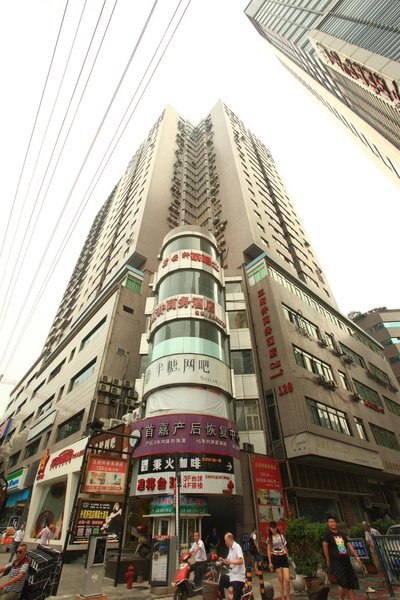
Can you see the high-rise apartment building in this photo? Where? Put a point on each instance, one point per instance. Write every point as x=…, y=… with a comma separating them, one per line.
x=346, y=53
x=383, y=324
x=198, y=310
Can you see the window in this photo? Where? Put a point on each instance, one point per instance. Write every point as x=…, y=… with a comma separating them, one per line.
x=356, y=357
x=233, y=287
x=328, y=417
x=367, y=393
x=25, y=423
x=56, y=370
x=242, y=362
x=344, y=380
x=360, y=428
x=127, y=309
x=45, y=406
x=60, y=393
x=380, y=375
x=69, y=427
x=384, y=437
x=238, y=319
x=257, y=273
x=32, y=448
x=309, y=362
x=304, y=325
x=133, y=284
x=84, y=374
x=392, y=406
x=248, y=415
x=14, y=458
x=92, y=334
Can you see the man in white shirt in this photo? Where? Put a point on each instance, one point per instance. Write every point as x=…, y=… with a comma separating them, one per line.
x=17, y=539
x=200, y=563
x=369, y=532
x=237, y=573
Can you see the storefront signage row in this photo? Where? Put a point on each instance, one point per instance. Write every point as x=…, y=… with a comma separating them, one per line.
x=185, y=462
x=189, y=369
x=190, y=482
x=61, y=463
x=16, y=480
x=193, y=433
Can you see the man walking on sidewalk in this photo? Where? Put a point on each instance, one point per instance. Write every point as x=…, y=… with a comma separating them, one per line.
x=18, y=538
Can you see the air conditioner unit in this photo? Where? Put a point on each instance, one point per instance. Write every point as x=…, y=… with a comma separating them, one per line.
x=133, y=394
x=115, y=391
x=115, y=422
x=337, y=351
x=348, y=359
x=330, y=384
x=128, y=384
x=321, y=380
x=104, y=387
x=356, y=396
x=116, y=382
x=323, y=342
x=105, y=379
x=248, y=447
x=127, y=418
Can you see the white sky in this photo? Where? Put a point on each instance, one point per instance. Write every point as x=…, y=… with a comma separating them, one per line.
x=348, y=205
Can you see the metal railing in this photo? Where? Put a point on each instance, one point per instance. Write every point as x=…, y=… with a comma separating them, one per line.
x=388, y=549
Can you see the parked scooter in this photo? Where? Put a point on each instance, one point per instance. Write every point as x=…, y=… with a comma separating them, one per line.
x=185, y=588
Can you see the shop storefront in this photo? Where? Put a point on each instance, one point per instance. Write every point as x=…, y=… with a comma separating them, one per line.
x=18, y=495
x=53, y=492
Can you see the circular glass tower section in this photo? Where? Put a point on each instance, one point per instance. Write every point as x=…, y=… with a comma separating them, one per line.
x=188, y=368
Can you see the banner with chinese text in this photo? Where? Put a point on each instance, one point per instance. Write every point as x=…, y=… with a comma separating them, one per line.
x=105, y=475
x=268, y=493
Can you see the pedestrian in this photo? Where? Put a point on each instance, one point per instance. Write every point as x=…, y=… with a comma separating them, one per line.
x=237, y=572
x=278, y=559
x=254, y=549
x=17, y=571
x=44, y=534
x=18, y=538
x=213, y=540
x=336, y=546
x=369, y=532
x=199, y=566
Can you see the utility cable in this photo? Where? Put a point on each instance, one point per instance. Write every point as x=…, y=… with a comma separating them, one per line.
x=34, y=126
x=84, y=162
x=21, y=212
x=84, y=202
x=16, y=272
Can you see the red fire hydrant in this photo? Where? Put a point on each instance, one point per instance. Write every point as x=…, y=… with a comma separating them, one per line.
x=129, y=576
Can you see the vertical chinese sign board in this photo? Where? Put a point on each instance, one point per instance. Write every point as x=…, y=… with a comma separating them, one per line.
x=268, y=493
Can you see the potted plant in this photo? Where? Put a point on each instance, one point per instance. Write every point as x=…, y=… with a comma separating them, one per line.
x=304, y=540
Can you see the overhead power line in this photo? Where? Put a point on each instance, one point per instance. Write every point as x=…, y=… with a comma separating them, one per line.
x=17, y=269
x=34, y=127
x=133, y=53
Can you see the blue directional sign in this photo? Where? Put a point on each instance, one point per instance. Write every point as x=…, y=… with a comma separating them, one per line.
x=360, y=547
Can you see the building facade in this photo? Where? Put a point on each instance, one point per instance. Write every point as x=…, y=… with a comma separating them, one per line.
x=383, y=325
x=198, y=305
x=345, y=52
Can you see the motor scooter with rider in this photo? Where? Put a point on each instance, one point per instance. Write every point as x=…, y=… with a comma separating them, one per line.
x=184, y=587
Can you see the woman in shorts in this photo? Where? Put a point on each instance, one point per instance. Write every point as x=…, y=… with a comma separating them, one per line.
x=278, y=559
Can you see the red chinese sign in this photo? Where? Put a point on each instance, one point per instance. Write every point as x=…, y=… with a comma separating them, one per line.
x=199, y=306
x=275, y=365
x=269, y=493
x=105, y=475
x=194, y=256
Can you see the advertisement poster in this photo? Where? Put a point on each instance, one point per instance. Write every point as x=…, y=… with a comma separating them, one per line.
x=159, y=560
x=268, y=493
x=105, y=475
x=96, y=517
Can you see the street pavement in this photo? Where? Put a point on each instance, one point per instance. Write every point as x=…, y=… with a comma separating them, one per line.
x=71, y=586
